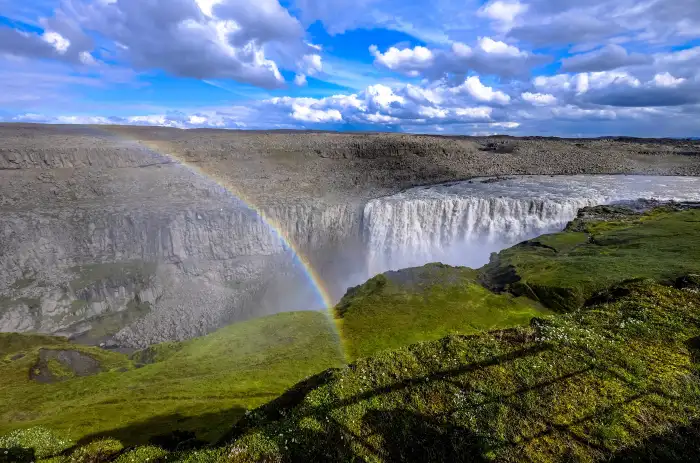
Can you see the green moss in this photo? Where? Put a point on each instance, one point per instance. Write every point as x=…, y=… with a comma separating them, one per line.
x=584, y=386
x=143, y=454
x=100, y=451
x=421, y=304
x=566, y=269
x=59, y=370
x=11, y=343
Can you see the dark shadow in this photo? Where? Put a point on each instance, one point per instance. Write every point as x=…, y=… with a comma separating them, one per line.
x=341, y=449
x=275, y=409
x=17, y=455
x=177, y=440
x=694, y=348
x=172, y=432
x=679, y=445
x=410, y=437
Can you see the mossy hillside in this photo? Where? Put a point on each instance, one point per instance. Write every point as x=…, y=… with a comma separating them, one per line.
x=590, y=385
x=422, y=304
x=564, y=270
x=204, y=385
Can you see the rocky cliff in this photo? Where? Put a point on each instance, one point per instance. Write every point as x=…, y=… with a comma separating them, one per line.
x=140, y=235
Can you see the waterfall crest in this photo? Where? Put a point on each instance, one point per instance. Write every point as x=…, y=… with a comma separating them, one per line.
x=462, y=223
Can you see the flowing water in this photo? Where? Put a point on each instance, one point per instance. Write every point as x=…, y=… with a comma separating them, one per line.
x=462, y=223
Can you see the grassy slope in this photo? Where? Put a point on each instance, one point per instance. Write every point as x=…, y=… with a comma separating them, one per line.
x=204, y=385
x=564, y=270
x=423, y=304
x=575, y=387
x=207, y=383
x=607, y=380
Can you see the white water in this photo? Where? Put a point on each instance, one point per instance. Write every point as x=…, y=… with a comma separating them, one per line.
x=462, y=223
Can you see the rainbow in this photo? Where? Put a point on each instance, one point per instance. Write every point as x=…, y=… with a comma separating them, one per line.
x=311, y=274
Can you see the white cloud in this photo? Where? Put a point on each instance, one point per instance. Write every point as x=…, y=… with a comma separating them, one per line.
x=481, y=92
x=409, y=60
x=539, y=99
x=431, y=112
x=504, y=11
x=245, y=41
x=477, y=113
x=488, y=56
x=583, y=82
x=595, y=23
x=207, y=6
x=383, y=96
x=505, y=125
x=312, y=64
x=301, y=112
x=300, y=80
x=667, y=80
x=56, y=40
x=497, y=47
x=577, y=113
x=87, y=59
x=382, y=119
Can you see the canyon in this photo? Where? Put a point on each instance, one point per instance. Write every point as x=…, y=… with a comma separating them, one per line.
x=130, y=236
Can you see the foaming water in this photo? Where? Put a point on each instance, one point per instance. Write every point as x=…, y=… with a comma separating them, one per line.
x=462, y=223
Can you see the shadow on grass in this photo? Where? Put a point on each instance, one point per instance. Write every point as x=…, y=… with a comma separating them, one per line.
x=681, y=444
x=403, y=435
x=171, y=432
x=430, y=439
x=17, y=455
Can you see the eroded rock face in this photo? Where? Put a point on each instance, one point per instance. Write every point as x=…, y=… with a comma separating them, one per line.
x=133, y=235
x=154, y=275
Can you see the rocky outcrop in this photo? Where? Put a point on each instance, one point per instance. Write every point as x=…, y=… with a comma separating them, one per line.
x=165, y=273
x=135, y=235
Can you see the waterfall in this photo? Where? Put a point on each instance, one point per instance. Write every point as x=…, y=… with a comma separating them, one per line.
x=462, y=223
x=456, y=231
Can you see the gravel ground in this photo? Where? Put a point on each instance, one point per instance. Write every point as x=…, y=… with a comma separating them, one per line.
x=60, y=164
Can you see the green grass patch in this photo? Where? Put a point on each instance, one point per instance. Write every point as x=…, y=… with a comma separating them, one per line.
x=564, y=270
x=423, y=304
x=203, y=386
x=618, y=381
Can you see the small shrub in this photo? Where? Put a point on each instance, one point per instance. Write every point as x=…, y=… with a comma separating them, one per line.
x=149, y=454
x=43, y=442
x=100, y=451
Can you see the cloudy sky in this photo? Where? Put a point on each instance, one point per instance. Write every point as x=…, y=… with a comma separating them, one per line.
x=534, y=67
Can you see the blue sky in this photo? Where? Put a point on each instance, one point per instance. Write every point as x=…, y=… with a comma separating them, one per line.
x=522, y=67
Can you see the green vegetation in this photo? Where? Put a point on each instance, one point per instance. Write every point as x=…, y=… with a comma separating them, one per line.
x=564, y=270
x=423, y=304
x=444, y=369
x=575, y=387
x=202, y=386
